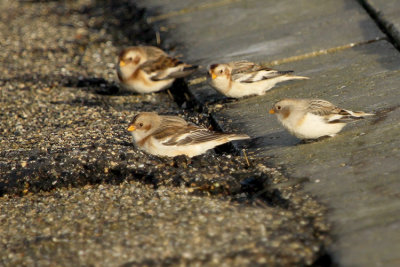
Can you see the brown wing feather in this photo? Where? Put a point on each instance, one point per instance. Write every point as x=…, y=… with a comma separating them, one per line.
x=248, y=72
x=196, y=136
x=201, y=136
x=246, y=67
x=160, y=64
x=153, y=52
x=169, y=126
x=323, y=108
x=172, y=128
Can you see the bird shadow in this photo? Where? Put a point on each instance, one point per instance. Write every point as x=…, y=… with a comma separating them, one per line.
x=272, y=140
x=382, y=114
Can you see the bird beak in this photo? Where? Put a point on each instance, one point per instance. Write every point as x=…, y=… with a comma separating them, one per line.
x=213, y=76
x=122, y=63
x=131, y=128
x=271, y=111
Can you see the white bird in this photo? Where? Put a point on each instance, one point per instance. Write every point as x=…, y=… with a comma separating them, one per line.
x=147, y=69
x=172, y=136
x=244, y=78
x=313, y=118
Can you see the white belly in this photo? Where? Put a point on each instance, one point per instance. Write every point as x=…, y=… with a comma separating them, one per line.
x=255, y=88
x=149, y=86
x=313, y=126
x=154, y=147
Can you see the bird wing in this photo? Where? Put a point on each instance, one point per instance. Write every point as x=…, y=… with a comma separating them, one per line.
x=242, y=66
x=332, y=113
x=153, y=53
x=177, y=134
x=322, y=107
x=169, y=127
x=248, y=72
x=194, y=136
x=166, y=67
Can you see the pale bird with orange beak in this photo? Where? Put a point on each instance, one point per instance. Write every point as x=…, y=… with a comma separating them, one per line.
x=244, y=78
x=147, y=69
x=172, y=136
x=313, y=118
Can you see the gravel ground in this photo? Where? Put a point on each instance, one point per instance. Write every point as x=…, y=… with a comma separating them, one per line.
x=73, y=189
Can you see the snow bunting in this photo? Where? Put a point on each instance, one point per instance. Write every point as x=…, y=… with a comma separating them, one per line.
x=172, y=136
x=244, y=78
x=313, y=118
x=147, y=69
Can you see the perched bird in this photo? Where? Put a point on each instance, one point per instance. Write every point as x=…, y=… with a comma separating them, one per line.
x=172, y=136
x=244, y=78
x=313, y=118
x=147, y=69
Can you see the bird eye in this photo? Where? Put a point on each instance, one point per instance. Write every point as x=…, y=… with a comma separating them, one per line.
x=221, y=71
x=140, y=124
x=278, y=107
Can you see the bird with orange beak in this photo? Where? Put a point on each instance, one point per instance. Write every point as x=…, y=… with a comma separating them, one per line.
x=244, y=78
x=147, y=69
x=172, y=136
x=313, y=118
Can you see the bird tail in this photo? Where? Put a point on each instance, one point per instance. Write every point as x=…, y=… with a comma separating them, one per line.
x=191, y=67
x=295, y=77
x=289, y=73
x=358, y=114
x=185, y=71
x=346, y=116
x=233, y=137
x=284, y=72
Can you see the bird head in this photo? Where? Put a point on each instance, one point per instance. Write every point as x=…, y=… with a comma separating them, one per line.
x=217, y=71
x=144, y=124
x=130, y=58
x=281, y=108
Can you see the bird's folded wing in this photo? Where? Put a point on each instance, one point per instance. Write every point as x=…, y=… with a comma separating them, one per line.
x=169, y=126
x=342, y=118
x=248, y=72
x=323, y=108
x=160, y=68
x=345, y=116
x=189, y=135
x=153, y=52
x=243, y=66
x=256, y=76
x=166, y=68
